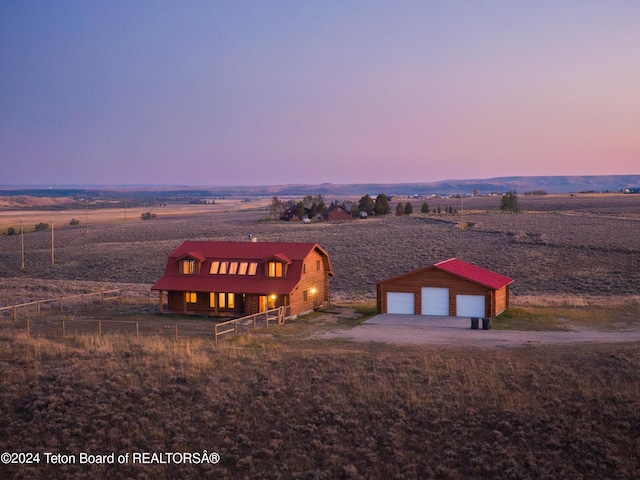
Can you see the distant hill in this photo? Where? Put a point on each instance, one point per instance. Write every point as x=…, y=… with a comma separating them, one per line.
x=153, y=193
x=550, y=184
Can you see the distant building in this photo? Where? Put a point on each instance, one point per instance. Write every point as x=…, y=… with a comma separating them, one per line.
x=336, y=212
x=632, y=190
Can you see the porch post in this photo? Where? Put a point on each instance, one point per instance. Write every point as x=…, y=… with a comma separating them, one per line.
x=160, y=301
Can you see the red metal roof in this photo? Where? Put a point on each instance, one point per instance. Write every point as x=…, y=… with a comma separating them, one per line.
x=467, y=271
x=474, y=273
x=258, y=252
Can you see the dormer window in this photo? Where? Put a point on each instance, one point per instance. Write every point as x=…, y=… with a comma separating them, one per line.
x=219, y=267
x=275, y=269
x=188, y=267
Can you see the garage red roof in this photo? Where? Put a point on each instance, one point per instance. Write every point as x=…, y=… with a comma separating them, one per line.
x=292, y=254
x=465, y=270
x=474, y=273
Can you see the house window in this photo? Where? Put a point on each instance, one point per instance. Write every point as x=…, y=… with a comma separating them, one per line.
x=226, y=300
x=189, y=267
x=212, y=300
x=253, y=268
x=190, y=297
x=304, y=268
x=230, y=268
x=305, y=296
x=318, y=265
x=271, y=303
x=275, y=269
x=233, y=268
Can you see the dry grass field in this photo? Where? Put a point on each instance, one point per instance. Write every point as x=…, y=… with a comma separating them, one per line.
x=276, y=404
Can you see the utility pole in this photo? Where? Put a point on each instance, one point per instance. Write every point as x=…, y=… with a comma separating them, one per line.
x=86, y=215
x=53, y=255
x=462, y=212
x=22, y=241
x=125, y=210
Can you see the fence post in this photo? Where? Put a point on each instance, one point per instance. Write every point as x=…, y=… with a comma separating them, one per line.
x=176, y=331
x=15, y=312
x=99, y=328
x=235, y=328
x=137, y=331
x=215, y=332
x=39, y=313
x=63, y=328
x=28, y=329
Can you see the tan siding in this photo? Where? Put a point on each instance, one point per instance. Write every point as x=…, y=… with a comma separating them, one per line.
x=313, y=278
x=502, y=300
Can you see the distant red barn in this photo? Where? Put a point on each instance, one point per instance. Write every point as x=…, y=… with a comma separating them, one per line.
x=449, y=288
x=336, y=212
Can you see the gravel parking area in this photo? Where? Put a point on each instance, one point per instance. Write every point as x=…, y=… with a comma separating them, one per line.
x=456, y=331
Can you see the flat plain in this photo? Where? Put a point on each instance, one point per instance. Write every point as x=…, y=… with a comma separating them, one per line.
x=279, y=403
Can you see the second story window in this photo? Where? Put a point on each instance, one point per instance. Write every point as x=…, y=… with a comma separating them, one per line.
x=275, y=269
x=189, y=267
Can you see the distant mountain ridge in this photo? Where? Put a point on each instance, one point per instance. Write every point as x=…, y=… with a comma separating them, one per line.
x=521, y=184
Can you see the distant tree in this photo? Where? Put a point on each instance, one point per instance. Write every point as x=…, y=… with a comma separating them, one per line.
x=439, y=210
x=300, y=210
x=148, y=216
x=476, y=192
x=74, y=221
x=366, y=204
x=318, y=205
x=277, y=208
x=425, y=208
x=509, y=202
x=399, y=209
x=450, y=209
x=382, y=205
x=11, y=231
x=355, y=210
x=42, y=226
x=408, y=209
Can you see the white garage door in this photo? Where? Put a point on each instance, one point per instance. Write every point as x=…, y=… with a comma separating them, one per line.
x=400, y=302
x=470, y=305
x=435, y=301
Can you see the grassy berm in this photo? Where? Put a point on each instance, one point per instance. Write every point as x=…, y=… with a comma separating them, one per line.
x=282, y=407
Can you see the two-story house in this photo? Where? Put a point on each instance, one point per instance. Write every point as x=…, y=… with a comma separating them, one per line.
x=243, y=278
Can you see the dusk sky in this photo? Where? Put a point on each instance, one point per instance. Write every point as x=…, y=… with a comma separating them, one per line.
x=264, y=92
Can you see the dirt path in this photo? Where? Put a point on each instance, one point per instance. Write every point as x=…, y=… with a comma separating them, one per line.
x=405, y=329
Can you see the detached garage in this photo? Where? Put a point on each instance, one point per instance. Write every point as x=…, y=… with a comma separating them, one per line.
x=449, y=288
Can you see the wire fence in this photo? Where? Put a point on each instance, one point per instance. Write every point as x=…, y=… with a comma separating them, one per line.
x=58, y=317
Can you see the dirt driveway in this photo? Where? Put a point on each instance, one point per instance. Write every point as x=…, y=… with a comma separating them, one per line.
x=456, y=331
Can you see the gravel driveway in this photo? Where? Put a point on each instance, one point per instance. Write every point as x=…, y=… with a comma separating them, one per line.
x=456, y=331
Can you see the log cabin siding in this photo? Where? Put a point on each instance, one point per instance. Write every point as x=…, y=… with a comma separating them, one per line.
x=314, y=276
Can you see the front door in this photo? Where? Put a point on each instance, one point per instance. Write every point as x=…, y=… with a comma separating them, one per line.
x=263, y=303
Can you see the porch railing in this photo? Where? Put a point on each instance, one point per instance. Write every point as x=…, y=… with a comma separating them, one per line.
x=275, y=315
